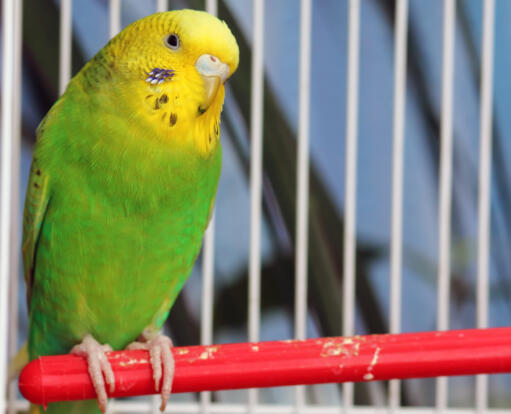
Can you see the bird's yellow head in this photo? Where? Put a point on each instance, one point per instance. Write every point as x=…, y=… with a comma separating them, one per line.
x=172, y=67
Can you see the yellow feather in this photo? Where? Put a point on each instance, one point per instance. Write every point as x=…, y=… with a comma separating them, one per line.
x=17, y=363
x=140, y=48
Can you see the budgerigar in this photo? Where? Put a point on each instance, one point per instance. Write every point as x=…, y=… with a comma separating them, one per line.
x=121, y=189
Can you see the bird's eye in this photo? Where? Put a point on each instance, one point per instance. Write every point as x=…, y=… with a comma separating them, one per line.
x=172, y=41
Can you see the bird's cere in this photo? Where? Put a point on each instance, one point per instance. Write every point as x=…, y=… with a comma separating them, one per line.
x=214, y=72
x=209, y=65
x=158, y=75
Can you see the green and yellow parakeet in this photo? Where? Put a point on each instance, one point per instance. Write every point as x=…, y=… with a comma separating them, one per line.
x=121, y=189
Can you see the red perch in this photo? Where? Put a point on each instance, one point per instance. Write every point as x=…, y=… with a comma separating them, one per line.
x=267, y=364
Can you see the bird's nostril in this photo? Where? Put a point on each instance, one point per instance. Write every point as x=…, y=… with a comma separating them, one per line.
x=213, y=59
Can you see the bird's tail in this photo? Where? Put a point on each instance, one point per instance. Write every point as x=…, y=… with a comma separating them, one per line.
x=17, y=363
x=67, y=407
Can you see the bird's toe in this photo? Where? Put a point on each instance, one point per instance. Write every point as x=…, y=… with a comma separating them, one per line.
x=100, y=370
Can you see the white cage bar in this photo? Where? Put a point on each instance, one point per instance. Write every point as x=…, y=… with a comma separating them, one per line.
x=65, y=44
x=15, y=180
x=400, y=44
x=161, y=5
x=256, y=166
x=9, y=214
x=208, y=275
x=302, y=182
x=485, y=138
x=9, y=190
x=444, y=214
x=350, y=197
x=115, y=17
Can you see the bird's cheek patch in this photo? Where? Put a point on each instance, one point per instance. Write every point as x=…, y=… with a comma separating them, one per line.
x=158, y=75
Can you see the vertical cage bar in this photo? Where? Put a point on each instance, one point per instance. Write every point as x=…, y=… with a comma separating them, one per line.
x=208, y=275
x=9, y=25
x=351, y=183
x=115, y=17
x=208, y=266
x=212, y=7
x=485, y=142
x=400, y=42
x=65, y=44
x=444, y=227
x=15, y=207
x=206, y=329
x=256, y=164
x=302, y=189
x=208, y=269
x=162, y=5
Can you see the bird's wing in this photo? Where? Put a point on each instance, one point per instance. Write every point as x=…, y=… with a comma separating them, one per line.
x=36, y=205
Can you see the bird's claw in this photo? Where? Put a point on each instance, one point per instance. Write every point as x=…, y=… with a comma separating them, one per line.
x=99, y=366
x=161, y=355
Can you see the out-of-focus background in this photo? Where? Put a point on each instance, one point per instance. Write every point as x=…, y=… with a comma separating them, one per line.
x=327, y=206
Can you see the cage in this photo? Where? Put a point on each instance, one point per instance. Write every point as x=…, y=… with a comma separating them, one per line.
x=365, y=179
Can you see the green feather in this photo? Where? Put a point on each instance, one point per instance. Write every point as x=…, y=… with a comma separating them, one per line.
x=111, y=230
x=122, y=187
x=113, y=223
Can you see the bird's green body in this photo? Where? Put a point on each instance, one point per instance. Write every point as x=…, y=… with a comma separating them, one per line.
x=122, y=187
x=122, y=227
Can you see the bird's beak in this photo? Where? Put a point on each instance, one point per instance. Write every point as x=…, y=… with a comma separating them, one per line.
x=214, y=72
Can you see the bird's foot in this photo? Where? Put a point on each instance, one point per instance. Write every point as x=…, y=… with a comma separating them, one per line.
x=98, y=365
x=158, y=346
